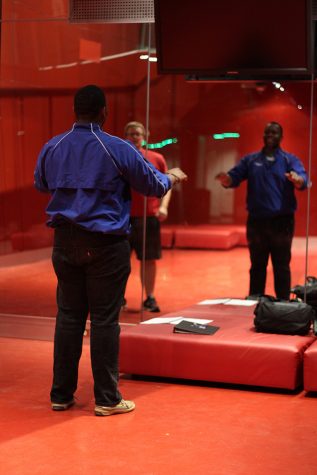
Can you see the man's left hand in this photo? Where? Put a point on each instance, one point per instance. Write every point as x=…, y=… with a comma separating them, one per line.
x=162, y=213
x=295, y=178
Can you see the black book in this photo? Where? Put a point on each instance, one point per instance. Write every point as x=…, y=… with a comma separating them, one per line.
x=190, y=327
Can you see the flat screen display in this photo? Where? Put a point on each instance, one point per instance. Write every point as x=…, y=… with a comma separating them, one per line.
x=231, y=37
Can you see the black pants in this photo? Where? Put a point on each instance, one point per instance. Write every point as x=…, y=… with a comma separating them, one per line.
x=270, y=237
x=92, y=270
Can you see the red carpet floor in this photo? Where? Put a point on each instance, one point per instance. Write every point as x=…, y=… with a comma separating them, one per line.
x=178, y=428
x=27, y=281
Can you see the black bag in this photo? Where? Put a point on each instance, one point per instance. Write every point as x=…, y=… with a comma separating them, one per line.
x=283, y=317
x=311, y=291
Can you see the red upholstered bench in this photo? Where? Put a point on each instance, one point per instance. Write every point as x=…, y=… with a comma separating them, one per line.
x=310, y=368
x=235, y=354
x=35, y=237
x=206, y=237
x=240, y=229
x=167, y=237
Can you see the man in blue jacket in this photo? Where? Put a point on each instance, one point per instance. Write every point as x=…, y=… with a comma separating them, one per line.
x=88, y=174
x=272, y=175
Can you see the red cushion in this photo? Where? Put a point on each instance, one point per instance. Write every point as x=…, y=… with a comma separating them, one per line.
x=234, y=354
x=36, y=237
x=237, y=228
x=310, y=368
x=205, y=238
x=167, y=237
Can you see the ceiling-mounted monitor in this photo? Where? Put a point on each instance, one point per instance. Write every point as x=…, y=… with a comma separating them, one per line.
x=234, y=38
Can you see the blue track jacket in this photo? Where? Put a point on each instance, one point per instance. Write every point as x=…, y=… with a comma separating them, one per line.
x=89, y=173
x=269, y=192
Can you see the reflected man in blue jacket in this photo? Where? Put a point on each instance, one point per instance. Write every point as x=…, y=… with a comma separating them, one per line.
x=88, y=174
x=272, y=176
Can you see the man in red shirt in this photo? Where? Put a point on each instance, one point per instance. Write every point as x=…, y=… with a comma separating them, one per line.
x=156, y=211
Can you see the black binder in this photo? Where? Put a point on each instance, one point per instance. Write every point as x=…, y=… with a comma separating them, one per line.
x=190, y=327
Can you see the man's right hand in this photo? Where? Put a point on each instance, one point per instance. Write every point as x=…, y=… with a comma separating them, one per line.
x=224, y=179
x=176, y=175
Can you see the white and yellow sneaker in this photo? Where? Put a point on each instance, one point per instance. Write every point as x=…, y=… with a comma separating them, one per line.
x=121, y=408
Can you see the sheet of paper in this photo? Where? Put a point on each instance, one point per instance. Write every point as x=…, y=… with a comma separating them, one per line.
x=202, y=321
x=175, y=320
x=162, y=320
x=213, y=301
x=241, y=302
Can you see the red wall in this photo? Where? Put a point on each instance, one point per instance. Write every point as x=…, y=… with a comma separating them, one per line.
x=29, y=119
x=36, y=104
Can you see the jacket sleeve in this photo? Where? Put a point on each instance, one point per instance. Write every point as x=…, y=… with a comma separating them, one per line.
x=40, y=182
x=142, y=176
x=240, y=172
x=297, y=166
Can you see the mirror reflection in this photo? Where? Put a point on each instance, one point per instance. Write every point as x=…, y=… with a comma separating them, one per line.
x=203, y=127
x=213, y=125
x=44, y=60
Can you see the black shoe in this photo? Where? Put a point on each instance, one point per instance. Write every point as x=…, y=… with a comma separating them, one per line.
x=253, y=297
x=62, y=406
x=150, y=304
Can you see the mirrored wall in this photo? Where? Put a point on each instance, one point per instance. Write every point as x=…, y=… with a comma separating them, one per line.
x=202, y=127
x=45, y=58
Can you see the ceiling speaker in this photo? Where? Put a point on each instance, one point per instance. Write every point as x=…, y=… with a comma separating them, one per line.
x=111, y=11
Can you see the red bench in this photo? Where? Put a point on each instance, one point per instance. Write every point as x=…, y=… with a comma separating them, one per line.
x=195, y=237
x=235, y=354
x=212, y=236
x=202, y=238
x=167, y=237
x=310, y=368
x=36, y=237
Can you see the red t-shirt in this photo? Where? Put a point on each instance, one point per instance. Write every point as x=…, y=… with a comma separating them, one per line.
x=153, y=203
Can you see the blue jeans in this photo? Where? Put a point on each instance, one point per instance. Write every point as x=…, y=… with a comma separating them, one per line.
x=92, y=271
